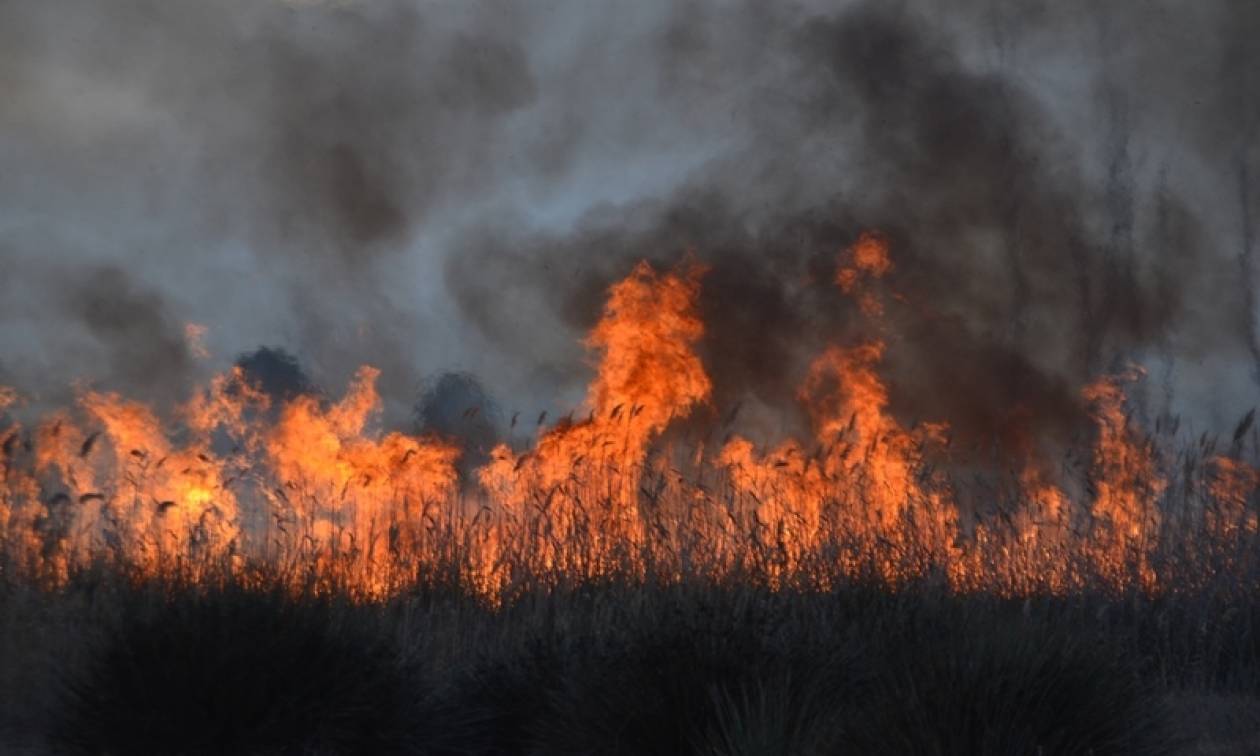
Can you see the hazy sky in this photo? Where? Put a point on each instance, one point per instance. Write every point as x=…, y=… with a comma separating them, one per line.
x=428, y=186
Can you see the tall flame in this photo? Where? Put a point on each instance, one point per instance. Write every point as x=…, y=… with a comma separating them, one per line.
x=1126, y=479
x=647, y=375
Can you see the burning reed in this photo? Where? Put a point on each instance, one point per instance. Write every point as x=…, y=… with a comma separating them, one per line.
x=639, y=481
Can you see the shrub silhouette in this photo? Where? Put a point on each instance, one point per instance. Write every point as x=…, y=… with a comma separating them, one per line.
x=718, y=670
x=239, y=671
x=704, y=684
x=774, y=716
x=491, y=708
x=974, y=684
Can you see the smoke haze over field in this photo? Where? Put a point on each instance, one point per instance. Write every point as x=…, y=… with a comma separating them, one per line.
x=1066, y=187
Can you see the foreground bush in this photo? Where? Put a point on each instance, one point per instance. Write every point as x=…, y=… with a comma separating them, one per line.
x=235, y=671
x=953, y=683
x=679, y=695
x=493, y=707
x=618, y=669
x=677, y=671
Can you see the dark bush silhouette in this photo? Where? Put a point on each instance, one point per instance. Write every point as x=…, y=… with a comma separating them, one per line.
x=243, y=672
x=699, y=681
x=971, y=683
x=636, y=670
x=276, y=373
x=492, y=708
x=457, y=407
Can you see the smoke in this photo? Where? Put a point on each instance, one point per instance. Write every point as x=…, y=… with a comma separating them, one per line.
x=455, y=407
x=263, y=167
x=1066, y=187
x=276, y=373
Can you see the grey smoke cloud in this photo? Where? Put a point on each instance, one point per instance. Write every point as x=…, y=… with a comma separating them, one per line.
x=432, y=186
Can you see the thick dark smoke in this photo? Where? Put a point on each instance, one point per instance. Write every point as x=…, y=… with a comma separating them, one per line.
x=276, y=373
x=143, y=346
x=455, y=407
x=1066, y=187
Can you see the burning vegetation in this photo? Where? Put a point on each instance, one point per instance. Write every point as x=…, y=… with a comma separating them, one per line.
x=831, y=378
x=645, y=477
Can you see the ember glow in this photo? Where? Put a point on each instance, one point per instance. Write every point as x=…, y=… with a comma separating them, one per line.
x=311, y=485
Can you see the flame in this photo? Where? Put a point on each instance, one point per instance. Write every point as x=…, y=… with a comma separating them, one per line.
x=1231, y=487
x=647, y=337
x=1126, y=478
x=865, y=463
x=314, y=487
x=588, y=472
x=351, y=492
x=868, y=259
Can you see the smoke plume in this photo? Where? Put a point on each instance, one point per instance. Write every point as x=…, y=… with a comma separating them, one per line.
x=1066, y=188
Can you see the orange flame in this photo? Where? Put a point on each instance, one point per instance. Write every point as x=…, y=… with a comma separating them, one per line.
x=867, y=259
x=1232, y=485
x=1126, y=478
x=648, y=374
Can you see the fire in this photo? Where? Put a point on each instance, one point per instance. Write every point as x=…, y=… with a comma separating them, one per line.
x=123, y=486
x=348, y=489
x=1126, y=478
x=867, y=259
x=864, y=461
x=171, y=496
x=1232, y=485
x=351, y=494
x=848, y=404
x=865, y=465
x=647, y=338
x=233, y=477
x=587, y=473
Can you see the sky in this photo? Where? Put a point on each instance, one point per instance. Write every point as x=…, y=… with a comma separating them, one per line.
x=1068, y=187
